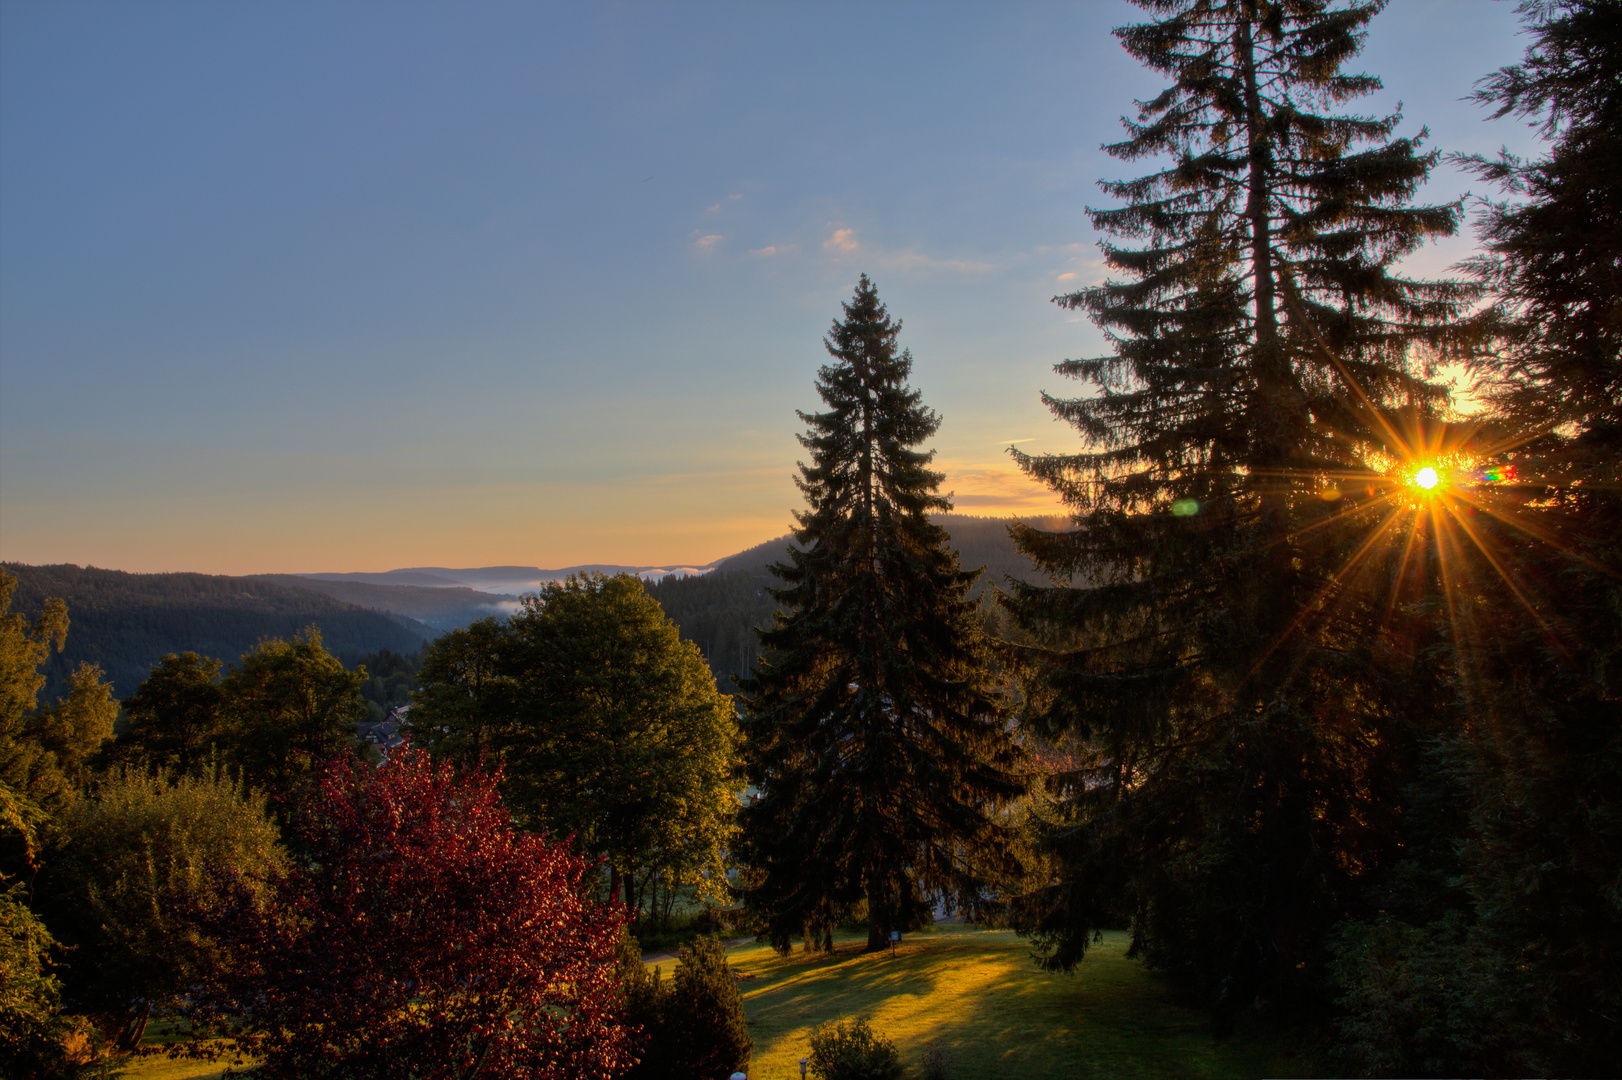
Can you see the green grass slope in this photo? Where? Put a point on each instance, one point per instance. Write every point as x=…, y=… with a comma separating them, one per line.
x=978, y=995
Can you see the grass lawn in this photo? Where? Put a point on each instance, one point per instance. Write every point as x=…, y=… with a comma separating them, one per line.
x=977, y=993
x=159, y=1067
x=974, y=992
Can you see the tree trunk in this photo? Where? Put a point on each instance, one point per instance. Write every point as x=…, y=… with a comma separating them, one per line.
x=134, y=1030
x=878, y=921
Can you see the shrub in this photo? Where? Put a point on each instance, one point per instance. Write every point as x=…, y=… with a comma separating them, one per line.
x=1432, y=1000
x=425, y=937
x=851, y=1050
x=694, y=1025
x=126, y=865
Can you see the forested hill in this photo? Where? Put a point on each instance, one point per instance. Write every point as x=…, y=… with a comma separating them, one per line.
x=126, y=622
x=440, y=607
x=720, y=610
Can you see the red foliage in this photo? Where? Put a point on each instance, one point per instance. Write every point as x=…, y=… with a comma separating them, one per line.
x=422, y=936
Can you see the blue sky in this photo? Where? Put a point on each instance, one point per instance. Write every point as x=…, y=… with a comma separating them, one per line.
x=352, y=286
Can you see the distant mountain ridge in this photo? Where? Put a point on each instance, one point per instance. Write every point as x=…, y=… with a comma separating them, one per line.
x=720, y=610
x=506, y=579
x=127, y=622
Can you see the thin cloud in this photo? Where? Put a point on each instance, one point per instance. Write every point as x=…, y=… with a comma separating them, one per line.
x=998, y=485
x=842, y=242
x=773, y=249
x=913, y=260
x=708, y=243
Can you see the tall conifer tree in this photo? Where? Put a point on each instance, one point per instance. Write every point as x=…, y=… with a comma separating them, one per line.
x=1543, y=855
x=878, y=748
x=1221, y=660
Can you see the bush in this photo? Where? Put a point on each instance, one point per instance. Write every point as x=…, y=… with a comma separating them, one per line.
x=1434, y=1000
x=694, y=1025
x=126, y=864
x=424, y=937
x=851, y=1050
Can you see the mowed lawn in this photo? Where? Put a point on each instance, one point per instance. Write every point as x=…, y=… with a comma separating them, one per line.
x=978, y=994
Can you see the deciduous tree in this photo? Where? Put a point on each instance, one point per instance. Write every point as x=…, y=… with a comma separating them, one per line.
x=123, y=867
x=174, y=716
x=287, y=707
x=608, y=725
x=425, y=937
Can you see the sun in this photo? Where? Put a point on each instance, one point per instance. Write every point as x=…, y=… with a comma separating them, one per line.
x=1425, y=478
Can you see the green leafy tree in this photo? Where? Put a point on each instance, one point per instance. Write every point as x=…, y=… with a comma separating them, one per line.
x=608, y=726
x=32, y=1027
x=33, y=1030
x=288, y=707
x=174, y=716
x=1230, y=663
x=125, y=867
x=77, y=727
x=27, y=769
x=875, y=742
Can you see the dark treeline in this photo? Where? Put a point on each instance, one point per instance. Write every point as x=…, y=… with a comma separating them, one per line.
x=127, y=622
x=718, y=612
x=390, y=679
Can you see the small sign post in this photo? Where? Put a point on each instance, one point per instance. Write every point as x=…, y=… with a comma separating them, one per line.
x=895, y=936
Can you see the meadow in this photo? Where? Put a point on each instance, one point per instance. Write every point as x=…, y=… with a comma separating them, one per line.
x=976, y=994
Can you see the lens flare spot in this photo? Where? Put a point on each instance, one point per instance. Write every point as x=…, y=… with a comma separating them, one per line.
x=1185, y=507
x=1426, y=478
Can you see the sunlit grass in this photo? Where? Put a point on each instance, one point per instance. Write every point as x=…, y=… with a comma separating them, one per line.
x=160, y=1034
x=978, y=995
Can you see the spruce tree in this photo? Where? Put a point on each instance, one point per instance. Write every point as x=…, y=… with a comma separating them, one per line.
x=876, y=745
x=1226, y=658
x=1541, y=687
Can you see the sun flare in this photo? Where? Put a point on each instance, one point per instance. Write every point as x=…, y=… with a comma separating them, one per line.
x=1425, y=478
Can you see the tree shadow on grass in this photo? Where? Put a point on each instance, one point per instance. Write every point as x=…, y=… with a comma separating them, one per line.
x=979, y=997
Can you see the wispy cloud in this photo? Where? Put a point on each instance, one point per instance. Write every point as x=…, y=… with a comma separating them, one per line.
x=773, y=249
x=842, y=242
x=914, y=260
x=999, y=485
x=707, y=243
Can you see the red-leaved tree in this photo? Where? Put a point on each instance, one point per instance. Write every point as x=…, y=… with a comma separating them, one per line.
x=422, y=936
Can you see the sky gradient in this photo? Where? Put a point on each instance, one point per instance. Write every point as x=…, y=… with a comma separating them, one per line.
x=305, y=287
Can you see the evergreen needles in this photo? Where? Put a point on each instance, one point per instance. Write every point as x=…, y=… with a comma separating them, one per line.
x=1235, y=679
x=873, y=739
